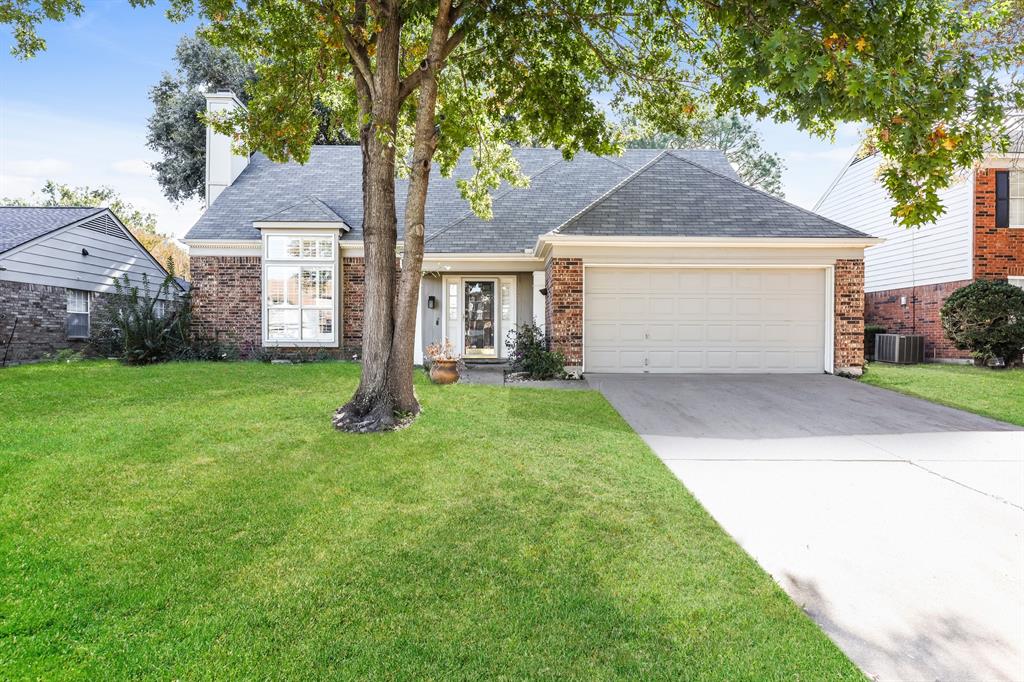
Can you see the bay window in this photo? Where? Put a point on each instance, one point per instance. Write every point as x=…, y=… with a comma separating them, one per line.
x=300, y=290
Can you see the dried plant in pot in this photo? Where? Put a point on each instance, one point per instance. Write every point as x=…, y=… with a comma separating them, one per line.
x=444, y=362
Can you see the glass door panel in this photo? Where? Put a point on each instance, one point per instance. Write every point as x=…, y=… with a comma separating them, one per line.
x=478, y=318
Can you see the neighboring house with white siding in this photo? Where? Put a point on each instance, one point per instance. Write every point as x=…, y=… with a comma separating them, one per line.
x=57, y=267
x=908, y=277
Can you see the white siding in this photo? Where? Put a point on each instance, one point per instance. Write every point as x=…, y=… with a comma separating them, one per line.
x=936, y=253
x=57, y=260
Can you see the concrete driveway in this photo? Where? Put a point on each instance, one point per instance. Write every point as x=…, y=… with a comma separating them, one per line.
x=897, y=524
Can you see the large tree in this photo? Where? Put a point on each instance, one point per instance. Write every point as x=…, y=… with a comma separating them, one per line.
x=735, y=137
x=421, y=80
x=176, y=131
x=142, y=224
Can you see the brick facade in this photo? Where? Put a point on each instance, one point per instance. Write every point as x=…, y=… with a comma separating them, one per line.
x=227, y=303
x=353, y=285
x=41, y=314
x=849, y=314
x=564, y=308
x=919, y=315
x=998, y=251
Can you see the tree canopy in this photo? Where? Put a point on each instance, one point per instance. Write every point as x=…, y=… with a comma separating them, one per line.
x=142, y=224
x=732, y=135
x=176, y=131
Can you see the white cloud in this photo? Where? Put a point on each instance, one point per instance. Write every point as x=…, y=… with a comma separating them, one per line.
x=133, y=167
x=37, y=167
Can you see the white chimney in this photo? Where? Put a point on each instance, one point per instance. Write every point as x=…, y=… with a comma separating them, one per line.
x=223, y=165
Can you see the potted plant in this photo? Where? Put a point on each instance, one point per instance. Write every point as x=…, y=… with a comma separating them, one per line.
x=444, y=363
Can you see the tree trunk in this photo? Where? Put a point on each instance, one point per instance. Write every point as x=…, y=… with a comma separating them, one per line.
x=424, y=144
x=372, y=408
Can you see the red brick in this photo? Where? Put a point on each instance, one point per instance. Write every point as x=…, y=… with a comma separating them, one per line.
x=920, y=315
x=998, y=251
x=564, y=308
x=849, y=314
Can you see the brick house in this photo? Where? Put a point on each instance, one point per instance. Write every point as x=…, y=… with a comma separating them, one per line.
x=909, y=276
x=653, y=261
x=57, y=270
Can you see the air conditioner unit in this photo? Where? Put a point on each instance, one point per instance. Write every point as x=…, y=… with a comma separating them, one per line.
x=899, y=348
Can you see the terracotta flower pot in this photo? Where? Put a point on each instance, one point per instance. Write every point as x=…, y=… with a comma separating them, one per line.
x=444, y=371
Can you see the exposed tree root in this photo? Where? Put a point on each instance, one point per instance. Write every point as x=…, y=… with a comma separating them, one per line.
x=366, y=415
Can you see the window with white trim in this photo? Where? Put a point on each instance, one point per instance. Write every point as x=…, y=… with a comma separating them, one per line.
x=78, y=314
x=1016, y=199
x=300, y=287
x=1016, y=281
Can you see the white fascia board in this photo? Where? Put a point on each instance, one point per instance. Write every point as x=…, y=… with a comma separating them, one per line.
x=546, y=241
x=224, y=247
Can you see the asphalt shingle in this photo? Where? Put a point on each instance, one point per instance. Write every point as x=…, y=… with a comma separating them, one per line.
x=558, y=191
x=20, y=224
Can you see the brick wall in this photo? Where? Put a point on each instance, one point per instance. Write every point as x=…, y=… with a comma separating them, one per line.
x=226, y=293
x=353, y=283
x=920, y=315
x=227, y=303
x=564, y=308
x=41, y=314
x=998, y=251
x=849, y=314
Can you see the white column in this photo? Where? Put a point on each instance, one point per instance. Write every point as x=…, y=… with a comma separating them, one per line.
x=417, y=349
x=539, y=308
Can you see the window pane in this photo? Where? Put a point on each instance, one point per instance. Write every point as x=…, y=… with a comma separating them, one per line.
x=317, y=287
x=506, y=301
x=282, y=247
x=78, y=325
x=283, y=324
x=317, y=325
x=1017, y=212
x=282, y=285
x=78, y=301
x=1016, y=184
x=324, y=248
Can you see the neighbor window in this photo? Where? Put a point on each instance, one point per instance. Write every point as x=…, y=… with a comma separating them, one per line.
x=299, y=287
x=78, y=314
x=1016, y=281
x=1017, y=198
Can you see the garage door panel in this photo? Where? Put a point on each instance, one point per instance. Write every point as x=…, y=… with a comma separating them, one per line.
x=704, y=320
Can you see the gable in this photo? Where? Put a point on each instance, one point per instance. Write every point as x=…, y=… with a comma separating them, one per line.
x=85, y=255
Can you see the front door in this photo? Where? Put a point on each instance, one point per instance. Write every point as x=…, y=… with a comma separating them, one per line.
x=479, y=332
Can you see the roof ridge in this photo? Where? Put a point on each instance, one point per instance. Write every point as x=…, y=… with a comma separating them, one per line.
x=470, y=213
x=96, y=208
x=622, y=183
x=770, y=196
x=327, y=208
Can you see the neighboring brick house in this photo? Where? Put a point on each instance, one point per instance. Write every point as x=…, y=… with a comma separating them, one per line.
x=653, y=261
x=57, y=266
x=909, y=276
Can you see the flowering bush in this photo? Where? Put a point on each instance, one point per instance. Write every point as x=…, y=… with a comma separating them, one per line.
x=528, y=353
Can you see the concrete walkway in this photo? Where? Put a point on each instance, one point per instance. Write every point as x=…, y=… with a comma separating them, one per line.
x=897, y=524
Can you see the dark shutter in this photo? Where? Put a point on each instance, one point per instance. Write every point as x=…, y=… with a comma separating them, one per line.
x=1002, y=198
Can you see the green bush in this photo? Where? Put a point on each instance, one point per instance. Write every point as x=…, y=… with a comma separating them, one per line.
x=987, y=319
x=142, y=327
x=528, y=353
x=870, y=331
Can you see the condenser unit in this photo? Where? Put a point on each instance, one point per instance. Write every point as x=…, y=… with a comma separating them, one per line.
x=899, y=348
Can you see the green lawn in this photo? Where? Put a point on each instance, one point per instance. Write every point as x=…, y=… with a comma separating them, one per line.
x=203, y=521
x=994, y=393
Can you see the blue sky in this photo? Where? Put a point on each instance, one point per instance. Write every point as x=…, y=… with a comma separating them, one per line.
x=77, y=114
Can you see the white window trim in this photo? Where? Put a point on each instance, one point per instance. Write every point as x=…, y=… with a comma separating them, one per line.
x=502, y=326
x=87, y=313
x=301, y=262
x=1012, y=225
x=1016, y=281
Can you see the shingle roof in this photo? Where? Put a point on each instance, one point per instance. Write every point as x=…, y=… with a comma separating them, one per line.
x=20, y=224
x=309, y=210
x=674, y=197
x=558, y=191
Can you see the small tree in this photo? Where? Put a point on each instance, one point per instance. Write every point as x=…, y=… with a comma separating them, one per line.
x=987, y=319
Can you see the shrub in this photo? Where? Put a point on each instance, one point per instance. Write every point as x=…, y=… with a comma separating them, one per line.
x=141, y=327
x=870, y=331
x=528, y=353
x=987, y=319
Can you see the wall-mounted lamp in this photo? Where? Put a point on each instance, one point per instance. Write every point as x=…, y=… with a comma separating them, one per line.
x=84, y=252
x=431, y=302
x=544, y=291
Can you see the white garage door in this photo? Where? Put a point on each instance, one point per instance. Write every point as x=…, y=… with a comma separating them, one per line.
x=713, y=320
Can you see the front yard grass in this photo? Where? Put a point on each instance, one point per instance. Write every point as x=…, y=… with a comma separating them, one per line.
x=203, y=521
x=992, y=393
